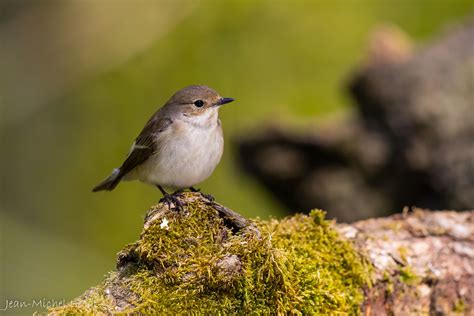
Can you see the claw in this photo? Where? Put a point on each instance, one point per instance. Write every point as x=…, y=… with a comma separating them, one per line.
x=173, y=200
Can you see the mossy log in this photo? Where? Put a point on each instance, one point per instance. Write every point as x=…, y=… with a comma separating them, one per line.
x=206, y=259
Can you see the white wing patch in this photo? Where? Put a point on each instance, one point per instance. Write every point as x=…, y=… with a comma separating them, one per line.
x=139, y=146
x=135, y=146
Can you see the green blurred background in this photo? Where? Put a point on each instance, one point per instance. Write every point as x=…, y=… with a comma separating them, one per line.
x=79, y=78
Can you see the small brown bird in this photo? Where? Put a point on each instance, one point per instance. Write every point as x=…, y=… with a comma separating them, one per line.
x=180, y=145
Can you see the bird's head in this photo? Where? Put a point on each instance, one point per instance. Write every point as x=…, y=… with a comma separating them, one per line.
x=197, y=100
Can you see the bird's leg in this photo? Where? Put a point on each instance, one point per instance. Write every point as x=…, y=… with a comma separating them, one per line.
x=208, y=197
x=162, y=190
x=170, y=198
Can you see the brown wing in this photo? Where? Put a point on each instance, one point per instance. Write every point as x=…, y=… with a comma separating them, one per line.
x=142, y=149
x=144, y=145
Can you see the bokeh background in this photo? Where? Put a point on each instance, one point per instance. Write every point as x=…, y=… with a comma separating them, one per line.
x=79, y=78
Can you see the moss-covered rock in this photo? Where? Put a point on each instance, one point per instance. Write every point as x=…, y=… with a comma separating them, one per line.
x=190, y=260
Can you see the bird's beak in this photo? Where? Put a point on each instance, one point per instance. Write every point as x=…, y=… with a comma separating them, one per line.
x=223, y=101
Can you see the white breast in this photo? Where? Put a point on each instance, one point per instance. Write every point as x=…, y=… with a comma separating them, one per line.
x=187, y=155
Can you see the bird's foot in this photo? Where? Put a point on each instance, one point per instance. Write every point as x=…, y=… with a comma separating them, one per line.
x=173, y=201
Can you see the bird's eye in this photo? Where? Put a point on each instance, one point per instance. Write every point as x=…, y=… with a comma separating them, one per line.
x=199, y=103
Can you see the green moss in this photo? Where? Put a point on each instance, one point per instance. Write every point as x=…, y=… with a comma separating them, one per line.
x=408, y=277
x=297, y=265
x=459, y=306
x=403, y=252
x=388, y=281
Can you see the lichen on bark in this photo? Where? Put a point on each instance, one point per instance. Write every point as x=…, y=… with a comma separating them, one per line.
x=191, y=260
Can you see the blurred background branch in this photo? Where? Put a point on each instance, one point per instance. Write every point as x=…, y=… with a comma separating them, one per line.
x=409, y=143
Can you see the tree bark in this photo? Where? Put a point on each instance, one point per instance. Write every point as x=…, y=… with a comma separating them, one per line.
x=428, y=256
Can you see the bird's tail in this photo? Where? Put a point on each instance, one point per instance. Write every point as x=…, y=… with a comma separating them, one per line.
x=110, y=182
